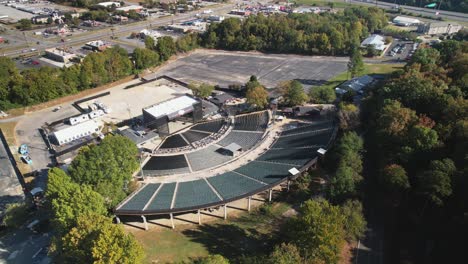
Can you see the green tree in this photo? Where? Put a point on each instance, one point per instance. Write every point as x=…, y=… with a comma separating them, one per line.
x=322, y=95
x=252, y=83
x=150, y=43
x=355, y=64
x=426, y=56
x=70, y=200
x=318, y=231
x=145, y=58
x=107, y=167
x=24, y=24
x=394, y=178
x=257, y=96
x=294, y=94
x=203, y=90
x=395, y=120
x=436, y=182
x=354, y=221
x=95, y=239
x=165, y=47
x=342, y=184
x=422, y=138
x=285, y=254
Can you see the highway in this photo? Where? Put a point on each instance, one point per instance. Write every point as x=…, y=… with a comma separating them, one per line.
x=119, y=30
x=449, y=15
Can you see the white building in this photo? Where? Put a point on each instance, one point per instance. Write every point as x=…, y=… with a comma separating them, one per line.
x=439, y=28
x=109, y=4
x=71, y=133
x=406, y=21
x=376, y=40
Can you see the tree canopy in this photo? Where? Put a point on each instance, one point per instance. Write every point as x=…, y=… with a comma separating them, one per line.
x=106, y=167
x=318, y=231
x=325, y=34
x=95, y=239
x=294, y=93
x=70, y=200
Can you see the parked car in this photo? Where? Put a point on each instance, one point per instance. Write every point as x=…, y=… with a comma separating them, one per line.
x=23, y=150
x=26, y=159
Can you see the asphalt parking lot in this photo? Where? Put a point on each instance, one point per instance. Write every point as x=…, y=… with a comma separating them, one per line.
x=402, y=55
x=224, y=68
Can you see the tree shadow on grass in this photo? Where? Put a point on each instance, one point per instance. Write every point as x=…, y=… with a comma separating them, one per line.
x=232, y=240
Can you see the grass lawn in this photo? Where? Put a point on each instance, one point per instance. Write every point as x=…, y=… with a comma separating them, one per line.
x=8, y=130
x=369, y=69
x=246, y=234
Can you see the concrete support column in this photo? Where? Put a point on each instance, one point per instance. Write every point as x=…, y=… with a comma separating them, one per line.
x=270, y=194
x=117, y=219
x=289, y=183
x=225, y=212
x=172, y=220
x=144, y=222
x=199, y=217
x=248, y=203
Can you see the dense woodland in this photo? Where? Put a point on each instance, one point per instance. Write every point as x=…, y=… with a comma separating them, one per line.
x=452, y=5
x=325, y=34
x=417, y=141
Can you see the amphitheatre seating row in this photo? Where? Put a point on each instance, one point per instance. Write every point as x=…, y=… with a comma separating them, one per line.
x=230, y=185
x=265, y=172
x=193, y=136
x=251, y=122
x=298, y=157
x=244, y=139
x=174, y=141
x=166, y=162
x=166, y=172
x=313, y=138
x=140, y=199
x=211, y=126
x=163, y=198
x=308, y=127
x=206, y=158
x=193, y=193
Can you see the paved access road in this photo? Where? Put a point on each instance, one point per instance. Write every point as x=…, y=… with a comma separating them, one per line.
x=118, y=30
x=455, y=16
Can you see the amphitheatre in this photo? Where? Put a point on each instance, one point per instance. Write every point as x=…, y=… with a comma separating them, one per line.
x=211, y=164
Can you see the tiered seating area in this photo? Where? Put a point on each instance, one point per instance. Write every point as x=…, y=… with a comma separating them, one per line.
x=206, y=158
x=307, y=128
x=165, y=165
x=140, y=199
x=193, y=136
x=163, y=198
x=230, y=185
x=265, y=172
x=174, y=141
x=193, y=193
x=244, y=139
x=311, y=139
x=252, y=122
x=211, y=126
x=298, y=157
x=293, y=149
